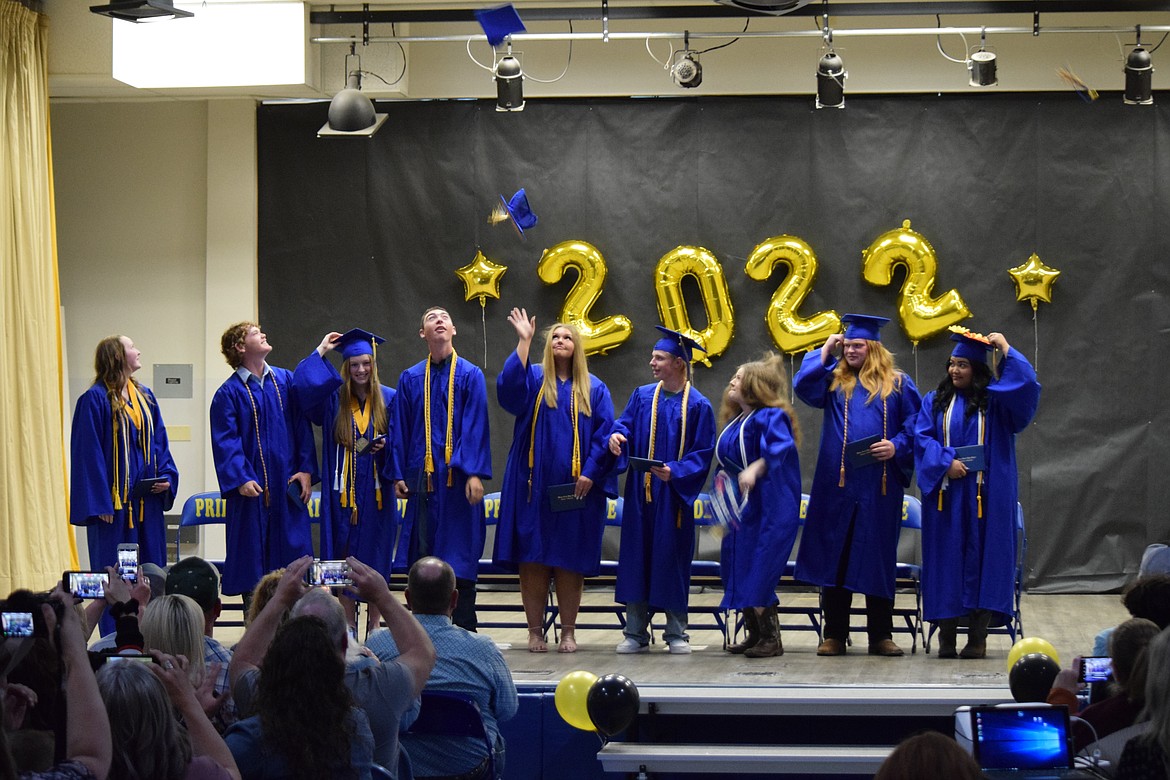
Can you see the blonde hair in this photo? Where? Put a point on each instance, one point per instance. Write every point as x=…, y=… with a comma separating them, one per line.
x=343, y=425
x=173, y=624
x=877, y=374
x=580, y=370
x=762, y=383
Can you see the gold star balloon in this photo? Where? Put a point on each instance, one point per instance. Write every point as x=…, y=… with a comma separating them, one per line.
x=481, y=277
x=1034, y=281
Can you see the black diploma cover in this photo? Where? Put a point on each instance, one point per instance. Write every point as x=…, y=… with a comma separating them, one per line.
x=859, y=454
x=562, y=499
x=973, y=457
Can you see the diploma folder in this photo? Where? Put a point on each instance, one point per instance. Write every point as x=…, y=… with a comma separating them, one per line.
x=644, y=464
x=973, y=457
x=562, y=499
x=145, y=487
x=859, y=454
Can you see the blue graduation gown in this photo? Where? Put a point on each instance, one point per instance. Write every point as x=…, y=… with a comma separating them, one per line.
x=754, y=555
x=91, y=484
x=528, y=530
x=969, y=562
x=260, y=538
x=316, y=387
x=454, y=529
x=658, y=538
x=876, y=519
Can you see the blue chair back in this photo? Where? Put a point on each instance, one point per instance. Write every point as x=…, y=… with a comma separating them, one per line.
x=447, y=714
x=211, y=508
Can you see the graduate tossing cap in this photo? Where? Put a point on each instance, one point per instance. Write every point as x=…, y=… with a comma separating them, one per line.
x=516, y=210
x=969, y=345
x=357, y=342
x=864, y=326
x=677, y=344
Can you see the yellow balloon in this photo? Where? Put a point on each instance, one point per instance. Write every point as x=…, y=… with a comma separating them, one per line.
x=571, y=699
x=598, y=337
x=481, y=277
x=791, y=332
x=1031, y=644
x=1033, y=280
x=699, y=263
x=920, y=314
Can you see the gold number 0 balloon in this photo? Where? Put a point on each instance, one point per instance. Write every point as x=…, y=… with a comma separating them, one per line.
x=599, y=337
x=791, y=332
x=921, y=315
x=704, y=267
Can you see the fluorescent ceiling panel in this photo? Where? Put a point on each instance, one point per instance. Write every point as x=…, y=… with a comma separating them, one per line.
x=226, y=44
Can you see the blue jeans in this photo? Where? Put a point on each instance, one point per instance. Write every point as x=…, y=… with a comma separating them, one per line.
x=638, y=624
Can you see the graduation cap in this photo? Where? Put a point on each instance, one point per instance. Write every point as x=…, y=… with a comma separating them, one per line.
x=357, y=342
x=970, y=345
x=515, y=209
x=677, y=344
x=499, y=22
x=864, y=326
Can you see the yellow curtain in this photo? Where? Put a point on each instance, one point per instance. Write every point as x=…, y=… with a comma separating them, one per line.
x=35, y=543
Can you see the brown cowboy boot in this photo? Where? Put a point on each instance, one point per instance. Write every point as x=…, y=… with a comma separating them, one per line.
x=751, y=633
x=948, y=637
x=976, y=646
x=769, y=644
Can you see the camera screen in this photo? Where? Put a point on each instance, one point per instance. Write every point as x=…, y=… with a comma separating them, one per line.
x=329, y=573
x=88, y=584
x=16, y=624
x=128, y=564
x=1096, y=668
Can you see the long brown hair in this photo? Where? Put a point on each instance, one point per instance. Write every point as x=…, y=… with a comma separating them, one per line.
x=343, y=425
x=580, y=370
x=109, y=368
x=877, y=374
x=762, y=382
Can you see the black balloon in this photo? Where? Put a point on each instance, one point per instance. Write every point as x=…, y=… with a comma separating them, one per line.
x=1032, y=677
x=612, y=704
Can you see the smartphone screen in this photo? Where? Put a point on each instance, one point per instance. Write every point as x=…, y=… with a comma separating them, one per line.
x=1096, y=668
x=16, y=625
x=87, y=584
x=145, y=658
x=128, y=562
x=329, y=573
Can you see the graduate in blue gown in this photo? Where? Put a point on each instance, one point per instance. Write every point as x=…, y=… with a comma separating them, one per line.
x=119, y=440
x=358, y=515
x=850, y=539
x=757, y=449
x=969, y=515
x=668, y=420
x=260, y=442
x=441, y=455
x=563, y=420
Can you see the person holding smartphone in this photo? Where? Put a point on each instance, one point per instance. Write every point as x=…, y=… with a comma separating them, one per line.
x=850, y=539
x=965, y=453
x=559, y=454
x=122, y=477
x=352, y=408
x=671, y=422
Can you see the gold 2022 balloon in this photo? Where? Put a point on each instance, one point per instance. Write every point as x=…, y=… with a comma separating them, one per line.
x=598, y=337
x=705, y=268
x=791, y=332
x=921, y=315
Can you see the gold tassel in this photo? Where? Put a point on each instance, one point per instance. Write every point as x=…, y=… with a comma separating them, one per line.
x=450, y=477
x=266, y=499
x=649, y=498
x=979, y=501
x=883, y=479
x=353, y=516
x=530, y=487
x=378, y=495
x=940, y=499
x=841, y=482
x=117, y=500
x=430, y=487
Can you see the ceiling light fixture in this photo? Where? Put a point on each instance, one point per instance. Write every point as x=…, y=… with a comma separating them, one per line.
x=509, y=82
x=773, y=7
x=686, y=70
x=831, y=73
x=981, y=65
x=350, y=112
x=1139, y=75
x=140, y=10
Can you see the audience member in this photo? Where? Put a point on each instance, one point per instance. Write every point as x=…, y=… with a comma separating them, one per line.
x=149, y=742
x=464, y=663
x=262, y=594
x=385, y=691
x=929, y=756
x=199, y=580
x=87, y=728
x=174, y=625
x=1147, y=597
x=1147, y=756
x=1128, y=651
x=306, y=726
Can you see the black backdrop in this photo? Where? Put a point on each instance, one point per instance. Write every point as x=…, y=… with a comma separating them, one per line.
x=368, y=232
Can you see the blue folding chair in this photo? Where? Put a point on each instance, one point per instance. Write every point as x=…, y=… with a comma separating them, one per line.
x=456, y=715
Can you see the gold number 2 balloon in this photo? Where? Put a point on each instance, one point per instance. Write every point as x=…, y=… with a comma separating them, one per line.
x=791, y=332
x=921, y=315
x=598, y=337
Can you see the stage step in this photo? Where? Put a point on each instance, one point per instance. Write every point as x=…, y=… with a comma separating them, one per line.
x=634, y=757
